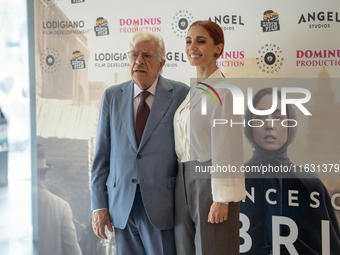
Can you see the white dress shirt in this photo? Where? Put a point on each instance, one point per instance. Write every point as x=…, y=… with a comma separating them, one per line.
x=202, y=142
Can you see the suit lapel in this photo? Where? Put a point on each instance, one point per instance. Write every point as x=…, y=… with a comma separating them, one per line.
x=163, y=98
x=125, y=103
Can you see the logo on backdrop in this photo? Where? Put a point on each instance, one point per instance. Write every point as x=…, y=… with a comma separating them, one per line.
x=173, y=59
x=109, y=59
x=49, y=3
x=318, y=57
x=77, y=1
x=63, y=27
x=231, y=59
x=102, y=27
x=78, y=60
x=181, y=22
x=270, y=21
x=270, y=60
x=50, y=60
x=319, y=19
x=227, y=22
x=140, y=24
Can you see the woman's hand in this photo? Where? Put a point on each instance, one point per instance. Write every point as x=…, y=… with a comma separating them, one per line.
x=218, y=213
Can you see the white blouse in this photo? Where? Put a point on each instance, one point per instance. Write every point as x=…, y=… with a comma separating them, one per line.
x=220, y=144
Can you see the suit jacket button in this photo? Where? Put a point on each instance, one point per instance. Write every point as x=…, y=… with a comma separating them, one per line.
x=139, y=156
x=134, y=180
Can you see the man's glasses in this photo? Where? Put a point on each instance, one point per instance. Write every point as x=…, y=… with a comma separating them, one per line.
x=147, y=56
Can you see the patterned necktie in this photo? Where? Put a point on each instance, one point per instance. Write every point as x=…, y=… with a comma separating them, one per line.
x=143, y=111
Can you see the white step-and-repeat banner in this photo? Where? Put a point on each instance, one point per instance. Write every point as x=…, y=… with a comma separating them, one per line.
x=81, y=49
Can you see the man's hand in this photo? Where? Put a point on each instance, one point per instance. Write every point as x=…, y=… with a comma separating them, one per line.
x=218, y=213
x=99, y=220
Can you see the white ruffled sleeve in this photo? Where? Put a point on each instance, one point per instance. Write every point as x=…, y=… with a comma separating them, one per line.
x=227, y=153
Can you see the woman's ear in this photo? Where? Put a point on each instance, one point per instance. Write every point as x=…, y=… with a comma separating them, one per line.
x=218, y=49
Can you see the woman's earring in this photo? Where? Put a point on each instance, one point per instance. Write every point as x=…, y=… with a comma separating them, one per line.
x=216, y=55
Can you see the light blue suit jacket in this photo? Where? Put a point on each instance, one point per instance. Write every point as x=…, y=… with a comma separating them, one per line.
x=118, y=162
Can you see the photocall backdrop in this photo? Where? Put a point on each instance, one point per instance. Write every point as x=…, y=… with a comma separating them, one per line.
x=81, y=49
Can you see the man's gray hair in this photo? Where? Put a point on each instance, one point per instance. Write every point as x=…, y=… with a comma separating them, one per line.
x=147, y=36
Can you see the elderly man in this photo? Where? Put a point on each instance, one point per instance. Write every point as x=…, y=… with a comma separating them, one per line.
x=135, y=164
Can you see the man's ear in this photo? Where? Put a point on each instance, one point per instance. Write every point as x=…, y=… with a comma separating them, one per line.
x=162, y=63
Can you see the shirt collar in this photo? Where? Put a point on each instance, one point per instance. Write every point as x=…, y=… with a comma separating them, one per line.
x=152, y=88
x=216, y=74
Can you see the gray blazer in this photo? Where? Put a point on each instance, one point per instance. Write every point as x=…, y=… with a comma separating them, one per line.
x=57, y=234
x=118, y=162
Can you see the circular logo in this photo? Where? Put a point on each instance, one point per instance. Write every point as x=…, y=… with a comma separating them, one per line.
x=49, y=60
x=183, y=23
x=49, y=3
x=270, y=60
x=180, y=23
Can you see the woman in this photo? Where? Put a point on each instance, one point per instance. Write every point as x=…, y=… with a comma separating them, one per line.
x=300, y=197
x=206, y=209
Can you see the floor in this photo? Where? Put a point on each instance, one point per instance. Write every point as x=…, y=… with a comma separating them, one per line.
x=15, y=208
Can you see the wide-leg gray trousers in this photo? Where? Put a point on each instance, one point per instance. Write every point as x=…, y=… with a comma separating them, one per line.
x=193, y=234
